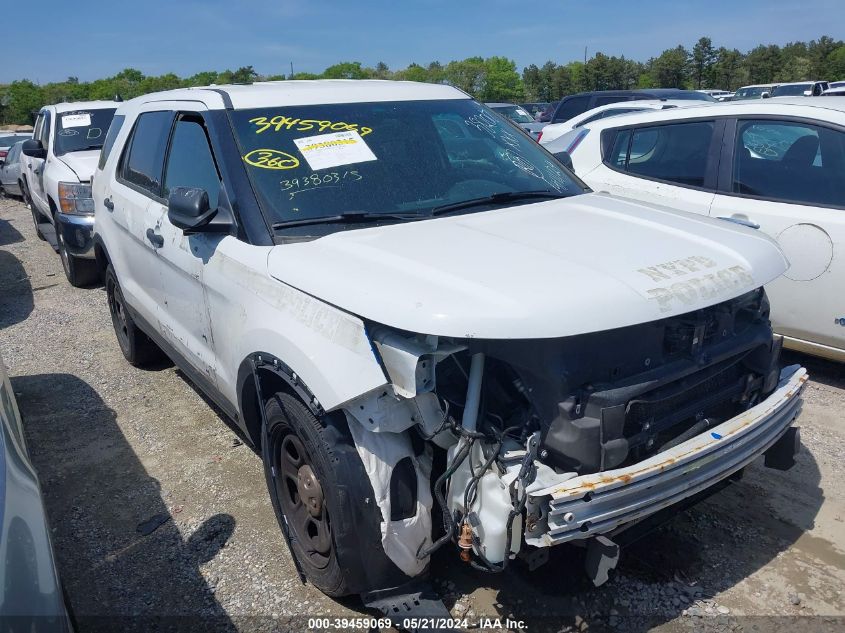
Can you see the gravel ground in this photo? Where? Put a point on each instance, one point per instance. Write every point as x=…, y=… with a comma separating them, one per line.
x=160, y=511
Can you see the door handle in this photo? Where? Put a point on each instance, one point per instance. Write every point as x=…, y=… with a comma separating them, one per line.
x=108, y=204
x=155, y=239
x=740, y=221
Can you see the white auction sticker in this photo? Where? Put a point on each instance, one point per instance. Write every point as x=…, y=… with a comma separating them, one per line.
x=333, y=150
x=83, y=119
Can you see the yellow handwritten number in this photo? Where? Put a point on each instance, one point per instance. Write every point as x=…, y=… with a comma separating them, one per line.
x=271, y=159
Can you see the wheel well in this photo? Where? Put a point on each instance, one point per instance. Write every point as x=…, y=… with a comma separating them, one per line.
x=101, y=256
x=272, y=381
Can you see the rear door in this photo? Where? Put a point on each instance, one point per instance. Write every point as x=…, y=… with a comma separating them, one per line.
x=788, y=176
x=673, y=163
x=134, y=189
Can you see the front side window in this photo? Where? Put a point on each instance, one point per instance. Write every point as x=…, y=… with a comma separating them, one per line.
x=190, y=162
x=81, y=130
x=675, y=153
x=790, y=161
x=44, y=136
x=406, y=158
x=142, y=165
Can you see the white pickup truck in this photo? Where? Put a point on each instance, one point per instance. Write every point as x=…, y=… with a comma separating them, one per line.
x=408, y=304
x=56, y=168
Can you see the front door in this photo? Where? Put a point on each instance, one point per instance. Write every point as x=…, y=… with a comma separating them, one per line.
x=185, y=322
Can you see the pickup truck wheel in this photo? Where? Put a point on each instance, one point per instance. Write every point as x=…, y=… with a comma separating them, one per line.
x=27, y=200
x=322, y=495
x=79, y=272
x=136, y=346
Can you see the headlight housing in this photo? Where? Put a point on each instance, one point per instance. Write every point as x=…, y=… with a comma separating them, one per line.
x=75, y=198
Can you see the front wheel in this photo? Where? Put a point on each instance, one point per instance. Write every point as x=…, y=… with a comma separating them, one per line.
x=323, y=499
x=79, y=272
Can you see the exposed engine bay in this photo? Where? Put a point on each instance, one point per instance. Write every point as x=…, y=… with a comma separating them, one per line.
x=480, y=432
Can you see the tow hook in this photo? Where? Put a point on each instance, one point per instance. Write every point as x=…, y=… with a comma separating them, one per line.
x=781, y=454
x=465, y=542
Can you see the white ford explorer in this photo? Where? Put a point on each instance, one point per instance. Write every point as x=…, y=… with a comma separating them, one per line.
x=56, y=168
x=433, y=333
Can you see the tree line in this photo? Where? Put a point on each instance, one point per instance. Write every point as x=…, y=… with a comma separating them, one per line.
x=489, y=79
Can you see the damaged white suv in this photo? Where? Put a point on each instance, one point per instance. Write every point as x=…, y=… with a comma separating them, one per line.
x=413, y=310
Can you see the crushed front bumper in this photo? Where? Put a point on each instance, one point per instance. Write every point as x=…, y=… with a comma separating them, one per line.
x=602, y=502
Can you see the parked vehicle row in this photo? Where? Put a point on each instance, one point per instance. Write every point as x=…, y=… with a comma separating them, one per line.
x=776, y=165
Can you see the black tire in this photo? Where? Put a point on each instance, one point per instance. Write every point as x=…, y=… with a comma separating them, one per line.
x=345, y=556
x=79, y=272
x=136, y=346
x=27, y=201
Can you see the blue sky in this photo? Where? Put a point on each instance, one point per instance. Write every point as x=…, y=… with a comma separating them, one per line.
x=51, y=40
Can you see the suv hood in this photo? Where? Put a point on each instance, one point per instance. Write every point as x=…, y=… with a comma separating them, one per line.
x=558, y=268
x=82, y=163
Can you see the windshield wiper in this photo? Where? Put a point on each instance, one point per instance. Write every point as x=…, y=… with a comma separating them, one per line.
x=348, y=216
x=497, y=198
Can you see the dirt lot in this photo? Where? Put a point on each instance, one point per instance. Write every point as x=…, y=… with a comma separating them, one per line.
x=159, y=511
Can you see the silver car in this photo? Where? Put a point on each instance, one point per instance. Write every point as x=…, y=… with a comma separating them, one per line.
x=10, y=171
x=30, y=592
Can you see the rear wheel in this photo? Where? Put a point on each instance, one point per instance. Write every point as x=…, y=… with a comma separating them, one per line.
x=136, y=346
x=79, y=272
x=323, y=497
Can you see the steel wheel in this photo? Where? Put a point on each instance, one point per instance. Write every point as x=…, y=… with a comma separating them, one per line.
x=301, y=497
x=118, y=312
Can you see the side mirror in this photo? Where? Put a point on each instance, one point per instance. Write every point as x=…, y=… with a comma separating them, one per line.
x=765, y=95
x=564, y=159
x=33, y=148
x=2, y=161
x=188, y=209
x=808, y=93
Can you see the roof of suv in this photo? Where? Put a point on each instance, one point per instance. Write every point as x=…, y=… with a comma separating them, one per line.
x=306, y=92
x=83, y=105
x=794, y=106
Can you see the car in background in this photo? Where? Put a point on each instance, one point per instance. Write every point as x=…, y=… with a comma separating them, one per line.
x=777, y=165
x=834, y=91
x=518, y=115
x=10, y=171
x=836, y=84
x=576, y=104
x=800, y=89
x=718, y=95
x=56, y=171
x=757, y=91
x=555, y=130
x=535, y=109
x=546, y=115
x=7, y=139
x=31, y=597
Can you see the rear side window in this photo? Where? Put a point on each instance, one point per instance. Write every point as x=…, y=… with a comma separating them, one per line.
x=675, y=153
x=190, y=162
x=111, y=135
x=143, y=164
x=790, y=162
x=571, y=107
